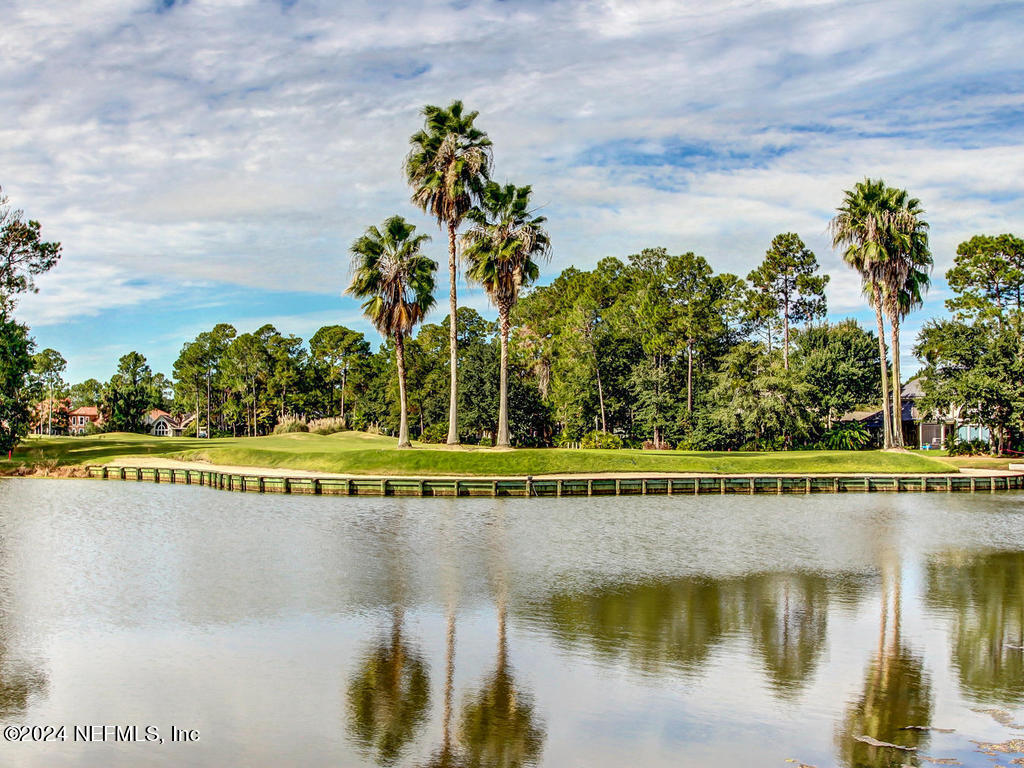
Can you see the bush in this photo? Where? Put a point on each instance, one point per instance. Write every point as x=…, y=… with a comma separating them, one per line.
x=846, y=436
x=435, y=433
x=563, y=440
x=604, y=440
x=650, y=445
x=776, y=443
x=957, y=447
x=328, y=426
x=290, y=424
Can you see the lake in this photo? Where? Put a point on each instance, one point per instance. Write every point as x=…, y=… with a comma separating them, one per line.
x=614, y=631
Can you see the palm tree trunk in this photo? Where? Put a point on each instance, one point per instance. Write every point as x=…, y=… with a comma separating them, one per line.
x=689, y=375
x=344, y=381
x=886, y=417
x=209, y=429
x=897, y=387
x=503, y=322
x=785, y=343
x=453, y=340
x=49, y=428
x=403, y=429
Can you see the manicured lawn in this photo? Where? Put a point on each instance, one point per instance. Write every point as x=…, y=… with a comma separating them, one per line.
x=359, y=453
x=978, y=462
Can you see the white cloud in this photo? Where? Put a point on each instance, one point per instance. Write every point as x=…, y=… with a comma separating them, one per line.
x=249, y=144
x=84, y=290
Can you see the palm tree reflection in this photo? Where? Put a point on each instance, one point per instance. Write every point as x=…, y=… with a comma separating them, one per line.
x=499, y=726
x=448, y=755
x=388, y=697
x=897, y=692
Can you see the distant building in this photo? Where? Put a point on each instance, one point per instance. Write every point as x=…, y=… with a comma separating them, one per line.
x=80, y=419
x=921, y=430
x=162, y=424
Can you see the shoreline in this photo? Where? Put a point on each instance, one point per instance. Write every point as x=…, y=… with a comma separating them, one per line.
x=625, y=484
x=155, y=463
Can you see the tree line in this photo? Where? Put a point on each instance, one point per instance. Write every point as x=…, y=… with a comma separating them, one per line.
x=653, y=349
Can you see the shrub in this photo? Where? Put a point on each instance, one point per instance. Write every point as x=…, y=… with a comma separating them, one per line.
x=327, y=426
x=604, y=440
x=846, y=436
x=435, y=433
x=291, y=424
x=564, y=440
x=957, y=447
x=776, y=443
x=650, y=445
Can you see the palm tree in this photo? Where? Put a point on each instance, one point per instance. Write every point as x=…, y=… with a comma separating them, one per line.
x=904, y=277
x=861, y=225
x=499, y=250
x=449, y=161
x=397, y=281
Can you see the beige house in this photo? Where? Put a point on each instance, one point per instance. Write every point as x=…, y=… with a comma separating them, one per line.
x=162, y=424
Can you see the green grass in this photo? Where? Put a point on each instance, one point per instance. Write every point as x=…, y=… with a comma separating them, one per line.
x=979, y=462
x=360, y=453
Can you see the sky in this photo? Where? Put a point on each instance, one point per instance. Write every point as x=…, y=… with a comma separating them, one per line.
x=206, y=162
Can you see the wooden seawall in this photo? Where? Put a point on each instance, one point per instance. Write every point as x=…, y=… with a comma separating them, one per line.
x=555, y=487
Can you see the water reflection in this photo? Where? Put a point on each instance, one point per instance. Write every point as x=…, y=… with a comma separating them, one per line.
x=16, y=686
x=984, y=593
x=507, y=633
x=788, y=619
x=449, y=754
x=896, y=693
x=672, y=626
x=388, y=697
x=499, y=726
x=655, y=626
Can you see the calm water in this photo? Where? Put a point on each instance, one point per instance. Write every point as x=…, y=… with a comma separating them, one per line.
x=716, y=631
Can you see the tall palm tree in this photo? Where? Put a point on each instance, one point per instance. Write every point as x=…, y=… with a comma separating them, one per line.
x=397, y=281
x=447, y=166
x=905, y=278
x=499, y=250
x=862, y=224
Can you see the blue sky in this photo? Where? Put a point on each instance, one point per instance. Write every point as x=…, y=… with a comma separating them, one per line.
x=208, y=162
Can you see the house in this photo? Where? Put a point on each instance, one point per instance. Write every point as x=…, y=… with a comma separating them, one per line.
x=80, y=419
x=162, y=424
x=920, y=429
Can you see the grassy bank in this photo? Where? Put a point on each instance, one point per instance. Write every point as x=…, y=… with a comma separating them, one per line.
x=363, y=454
